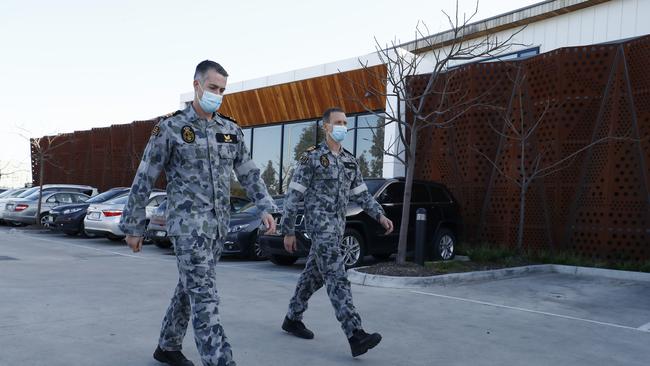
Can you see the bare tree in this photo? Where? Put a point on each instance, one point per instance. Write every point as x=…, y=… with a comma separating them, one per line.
x=408, y=109
x=531, y=163
x=43, y=149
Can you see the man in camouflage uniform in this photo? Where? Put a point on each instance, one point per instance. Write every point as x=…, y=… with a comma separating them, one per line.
x=327, y=176
x=197, y=148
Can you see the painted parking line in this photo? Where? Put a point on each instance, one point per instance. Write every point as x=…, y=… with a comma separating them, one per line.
x=642, y=329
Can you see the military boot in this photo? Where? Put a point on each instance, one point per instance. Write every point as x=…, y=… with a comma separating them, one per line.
x=361, y=342
x=174, y=358
x=297, y=328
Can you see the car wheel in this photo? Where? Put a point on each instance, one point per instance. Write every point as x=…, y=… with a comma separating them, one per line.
x=112, y=237
x=256, y=251
x=353, y=248
x=444, y=245
x=282, y=260
x=42, y=219
x=381, y=256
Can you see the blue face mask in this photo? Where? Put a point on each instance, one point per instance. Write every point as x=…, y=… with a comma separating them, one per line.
x=210, y=102
x=339, y=132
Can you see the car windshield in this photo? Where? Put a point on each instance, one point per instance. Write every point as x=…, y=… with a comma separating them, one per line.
x=250, y=208
x=121, y=200
x=28, y=192
x=374, y=184
x=103, y=197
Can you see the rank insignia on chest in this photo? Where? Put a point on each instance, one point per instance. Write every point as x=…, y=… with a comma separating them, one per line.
x=324, y=161
x=304, y=158
x=350, y=165
x=155, y=131
x=227, y=138
x=188, y=134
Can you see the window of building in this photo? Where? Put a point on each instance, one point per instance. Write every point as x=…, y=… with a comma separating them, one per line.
x=370, y=145
x=298, y=137
x=267, y=142
x=248, y=134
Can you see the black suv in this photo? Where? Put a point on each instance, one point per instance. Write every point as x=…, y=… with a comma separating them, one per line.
x=363, y=235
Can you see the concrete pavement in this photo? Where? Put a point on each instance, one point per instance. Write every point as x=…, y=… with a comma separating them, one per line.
x=73, y=301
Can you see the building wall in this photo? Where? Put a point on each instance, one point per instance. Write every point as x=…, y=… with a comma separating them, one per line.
x=609, y=21
x=598, y=203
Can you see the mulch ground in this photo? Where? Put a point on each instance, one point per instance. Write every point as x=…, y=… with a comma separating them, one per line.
x=433, y=268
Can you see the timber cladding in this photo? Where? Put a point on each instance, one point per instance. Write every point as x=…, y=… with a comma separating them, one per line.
x=307, y=99
x=109, y=157
x=598, y=204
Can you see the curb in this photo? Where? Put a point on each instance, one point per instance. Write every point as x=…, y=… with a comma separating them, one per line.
x=366, y=279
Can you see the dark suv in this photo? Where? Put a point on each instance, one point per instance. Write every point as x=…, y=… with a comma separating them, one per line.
x=363, y=235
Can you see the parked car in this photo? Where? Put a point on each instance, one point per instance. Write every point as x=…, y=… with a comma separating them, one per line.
x=363, y=235
x=8, y=196
x=25, y=210
x=70, y=218
x=103, y=218
x=157, y=232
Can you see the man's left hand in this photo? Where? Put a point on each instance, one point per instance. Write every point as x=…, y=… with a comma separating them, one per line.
x=269, y=223
x=386, y=224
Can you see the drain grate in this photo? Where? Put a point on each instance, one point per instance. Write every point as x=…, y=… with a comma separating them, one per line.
x=6, y=258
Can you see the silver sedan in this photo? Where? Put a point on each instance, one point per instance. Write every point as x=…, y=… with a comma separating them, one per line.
x=103, y=219
x=25, y=210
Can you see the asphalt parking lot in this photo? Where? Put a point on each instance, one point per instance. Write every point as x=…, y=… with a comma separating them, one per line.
x=73, y=301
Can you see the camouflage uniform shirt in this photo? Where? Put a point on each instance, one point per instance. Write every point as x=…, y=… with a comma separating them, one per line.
x=198, y=157
x=327, y=182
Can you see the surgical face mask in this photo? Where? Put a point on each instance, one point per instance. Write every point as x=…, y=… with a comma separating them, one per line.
x=339, y=132
x=210, y=102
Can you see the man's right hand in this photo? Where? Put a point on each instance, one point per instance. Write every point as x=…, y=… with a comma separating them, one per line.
x=290, y=243
x=134, y=242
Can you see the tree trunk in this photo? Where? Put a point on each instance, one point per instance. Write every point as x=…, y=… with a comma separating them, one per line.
x=522, y=215
x=406, y=205
x=41, y=170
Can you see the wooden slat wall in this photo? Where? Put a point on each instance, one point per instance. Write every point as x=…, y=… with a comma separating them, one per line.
x=306, y=99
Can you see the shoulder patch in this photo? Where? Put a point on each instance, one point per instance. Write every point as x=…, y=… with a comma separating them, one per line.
x=227, y=117
x=311, y=148
x=304, y=158
x=156, y=130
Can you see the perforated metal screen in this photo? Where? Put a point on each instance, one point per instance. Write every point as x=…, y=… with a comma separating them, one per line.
x=599, y=204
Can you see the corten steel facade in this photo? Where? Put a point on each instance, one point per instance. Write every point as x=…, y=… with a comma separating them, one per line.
x=599, y=204
x=109, y=157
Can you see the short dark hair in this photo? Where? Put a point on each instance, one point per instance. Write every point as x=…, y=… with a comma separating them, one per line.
x=326, y=114
x=204, y=66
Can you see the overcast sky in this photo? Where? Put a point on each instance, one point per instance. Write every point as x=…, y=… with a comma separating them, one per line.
x=71, y=65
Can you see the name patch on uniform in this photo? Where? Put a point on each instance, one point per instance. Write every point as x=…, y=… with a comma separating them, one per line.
x=350, y=165
x=228, y=138
x=324, y=161
x=188, y=134
x=155, y=131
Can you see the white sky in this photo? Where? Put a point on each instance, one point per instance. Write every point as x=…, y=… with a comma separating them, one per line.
x=71, y=65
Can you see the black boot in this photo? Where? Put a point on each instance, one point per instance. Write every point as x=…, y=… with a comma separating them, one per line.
x=361, y=342
x=297, y=328
x=174, y=358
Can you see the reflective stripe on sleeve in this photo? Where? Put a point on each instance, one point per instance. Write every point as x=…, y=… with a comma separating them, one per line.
x=298, y=187
x=359, y=189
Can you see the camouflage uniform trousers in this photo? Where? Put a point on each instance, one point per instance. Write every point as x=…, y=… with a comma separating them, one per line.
x=196, y=294
x=325, y=265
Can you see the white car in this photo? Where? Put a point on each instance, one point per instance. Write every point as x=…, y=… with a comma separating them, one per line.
x=103, y=219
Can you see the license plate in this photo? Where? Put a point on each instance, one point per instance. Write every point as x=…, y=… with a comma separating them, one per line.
x=161, y=234
x=10, y=207
x=94, y=215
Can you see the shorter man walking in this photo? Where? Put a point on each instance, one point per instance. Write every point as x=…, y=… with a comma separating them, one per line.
x=327, y=176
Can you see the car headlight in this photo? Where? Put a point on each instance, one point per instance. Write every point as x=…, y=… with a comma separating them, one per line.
x=71, y=210
x=237, y=228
